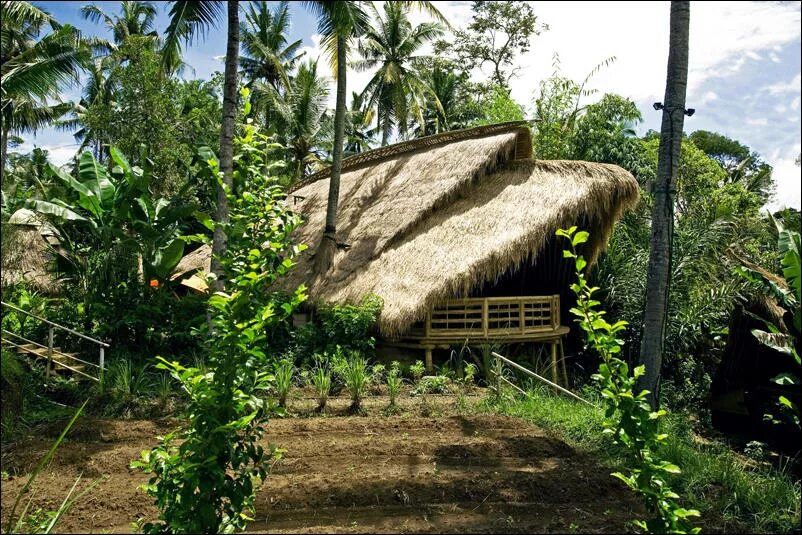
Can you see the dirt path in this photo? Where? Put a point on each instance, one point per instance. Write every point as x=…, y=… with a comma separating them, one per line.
x=451, y=473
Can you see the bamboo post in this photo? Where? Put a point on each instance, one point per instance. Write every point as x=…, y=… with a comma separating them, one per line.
x=562, y=357
x=102, y=361
x=485, y=317
x=429, y=364
x=49, y=353
x=554, y=362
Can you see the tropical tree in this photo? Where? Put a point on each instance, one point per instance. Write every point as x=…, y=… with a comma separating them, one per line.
x=33, y=72
x=135, y=18
x=266, y=54
x=654, y=318
x=187, y=20
x=98, y=91
x=392, y=47
x=339, y=22
x=498, y=32
x=358, y=133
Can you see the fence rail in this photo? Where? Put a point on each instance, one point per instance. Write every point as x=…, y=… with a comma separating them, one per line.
x=33, y=348
x=489, y=317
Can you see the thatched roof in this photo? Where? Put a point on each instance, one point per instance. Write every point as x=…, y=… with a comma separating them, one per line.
x=429, y=219
x=28, y=252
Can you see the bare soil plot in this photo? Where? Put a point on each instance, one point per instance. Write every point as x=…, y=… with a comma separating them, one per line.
x=407, y=473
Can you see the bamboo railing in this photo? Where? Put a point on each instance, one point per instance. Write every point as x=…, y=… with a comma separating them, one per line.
x=493, y=317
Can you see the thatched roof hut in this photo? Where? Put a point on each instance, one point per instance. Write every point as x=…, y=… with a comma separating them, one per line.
x=28, y=252
x=424, y=221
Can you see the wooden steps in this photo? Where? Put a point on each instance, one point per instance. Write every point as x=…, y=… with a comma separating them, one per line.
x=60, y=358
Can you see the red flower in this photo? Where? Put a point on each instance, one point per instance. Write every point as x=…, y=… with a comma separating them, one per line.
x=154, y=283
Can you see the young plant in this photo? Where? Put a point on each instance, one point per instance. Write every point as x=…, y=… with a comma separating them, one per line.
x=204, y=473
x=377, y=372
x=465, y=383
x=321, y=381
x=354, y=375
x=629, y=417
x=283, y=373
x=417, y=370
x=394, y=382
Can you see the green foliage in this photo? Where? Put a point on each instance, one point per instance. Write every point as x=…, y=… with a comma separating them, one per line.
x=788, y=245
x=498, y=107
x=353, y=372
x=146, y=108
x=283, y=373
x=206, y=484
x=417, y=370
x=321, y=381
x=394, y=382
x=432, y=384
x=346, y=326
x=628, y=416
x=498, y=32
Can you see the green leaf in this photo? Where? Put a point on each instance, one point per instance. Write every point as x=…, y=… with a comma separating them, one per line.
x=166, y=258
x=49, y=208
x=580, y=238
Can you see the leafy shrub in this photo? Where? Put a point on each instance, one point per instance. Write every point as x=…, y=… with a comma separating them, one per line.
x=206, y=484
x=432, y=384
x=283, y=373
x=347, y=326
x=629, y=417
x=417, y=370
x=376, y=381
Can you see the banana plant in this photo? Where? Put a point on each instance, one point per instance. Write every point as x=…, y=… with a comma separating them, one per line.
x=116, y=208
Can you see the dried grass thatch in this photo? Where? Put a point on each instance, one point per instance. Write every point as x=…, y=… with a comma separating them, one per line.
x=28, y=252
x=196, y=264
x=437, y=219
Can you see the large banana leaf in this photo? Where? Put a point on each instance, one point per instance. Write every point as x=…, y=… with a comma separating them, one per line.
x=54, y=209
x=166, y=258
x=94, y=176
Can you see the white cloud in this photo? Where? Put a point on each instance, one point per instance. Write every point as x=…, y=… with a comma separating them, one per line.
x=57, y=154
x=780, y=88
x=788, y=178
x=762, y=121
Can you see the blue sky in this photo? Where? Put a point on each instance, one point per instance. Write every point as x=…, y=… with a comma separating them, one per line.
x=744, y=67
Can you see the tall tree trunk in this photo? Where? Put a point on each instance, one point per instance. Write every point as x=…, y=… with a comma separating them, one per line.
x=328, y=244
x=230, y=91
x=385, y=129
x=659, y=274
x=4, y=148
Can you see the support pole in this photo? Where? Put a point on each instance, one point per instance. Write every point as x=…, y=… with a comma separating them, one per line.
x=102, y=361
x=562, y=358
x=554, y=362
x=429, y=365
x=49, y=353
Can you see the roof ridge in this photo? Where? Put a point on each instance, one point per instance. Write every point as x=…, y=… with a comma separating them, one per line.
x=381, y=153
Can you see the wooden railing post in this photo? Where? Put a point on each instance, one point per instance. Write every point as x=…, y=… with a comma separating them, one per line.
x=49, y=353
x=102, y=362
x=485, y=317
x=521, y=315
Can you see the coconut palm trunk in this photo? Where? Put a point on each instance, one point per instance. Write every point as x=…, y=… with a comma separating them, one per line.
x=659, y=273
x=4, y=148
x=328, y=244
x=226, y=138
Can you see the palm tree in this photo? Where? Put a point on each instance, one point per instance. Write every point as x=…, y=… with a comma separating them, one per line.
x=657, y=281
x=266, y=55
x=339, y=22
x=301, y=118
x=136, y=18
x=98, y=90
x=187, y=19
x=34, y=71
x=358, y=134
x=448, y=89
x=396, y=89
